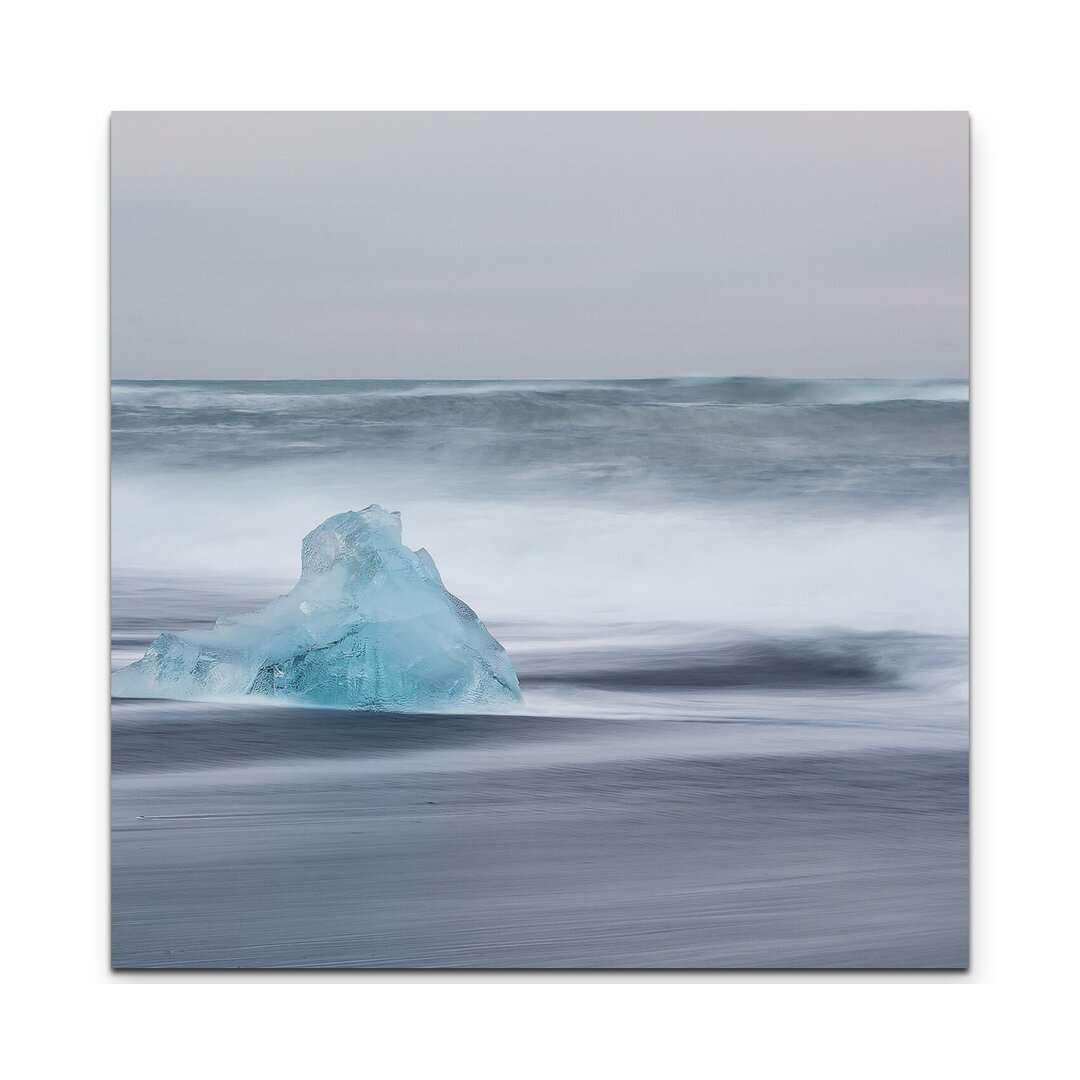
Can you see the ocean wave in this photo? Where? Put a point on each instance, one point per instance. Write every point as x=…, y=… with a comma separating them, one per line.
x=826, y=660
x=735, y=390
x=714, y=439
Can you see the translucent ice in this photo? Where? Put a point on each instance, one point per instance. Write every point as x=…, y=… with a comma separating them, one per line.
x=369, y=625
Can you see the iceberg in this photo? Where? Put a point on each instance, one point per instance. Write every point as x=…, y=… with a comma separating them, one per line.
x=369, y=625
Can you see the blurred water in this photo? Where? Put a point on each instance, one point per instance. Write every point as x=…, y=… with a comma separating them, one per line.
x=622, y=501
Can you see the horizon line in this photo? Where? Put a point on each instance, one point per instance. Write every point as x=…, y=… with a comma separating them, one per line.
x=556, y=379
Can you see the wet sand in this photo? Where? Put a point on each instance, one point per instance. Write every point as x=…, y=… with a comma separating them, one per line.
x=249, y=837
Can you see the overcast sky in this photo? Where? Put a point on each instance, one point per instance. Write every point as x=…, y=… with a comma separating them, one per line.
x=538, y=245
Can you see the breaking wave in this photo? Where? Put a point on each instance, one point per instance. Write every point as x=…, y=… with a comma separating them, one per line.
x=588, y=523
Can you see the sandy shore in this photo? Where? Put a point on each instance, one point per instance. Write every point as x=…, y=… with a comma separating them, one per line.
x=292, y=838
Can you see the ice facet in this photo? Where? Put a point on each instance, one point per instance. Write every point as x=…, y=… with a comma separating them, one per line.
x=369, y=625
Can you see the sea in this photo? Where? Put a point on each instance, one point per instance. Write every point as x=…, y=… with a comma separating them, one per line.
x=738, y=609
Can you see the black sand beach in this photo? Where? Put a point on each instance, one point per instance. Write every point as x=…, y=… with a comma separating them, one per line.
x=255, y=837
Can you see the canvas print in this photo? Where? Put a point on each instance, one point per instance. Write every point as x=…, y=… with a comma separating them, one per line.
x=539, y=540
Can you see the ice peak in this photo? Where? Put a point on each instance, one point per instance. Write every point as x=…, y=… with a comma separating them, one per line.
x=348, y=537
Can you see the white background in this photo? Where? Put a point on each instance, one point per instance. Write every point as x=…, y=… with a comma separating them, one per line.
x=64, y=67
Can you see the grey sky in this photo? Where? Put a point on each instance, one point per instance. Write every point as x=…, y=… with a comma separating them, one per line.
x=538, y=245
